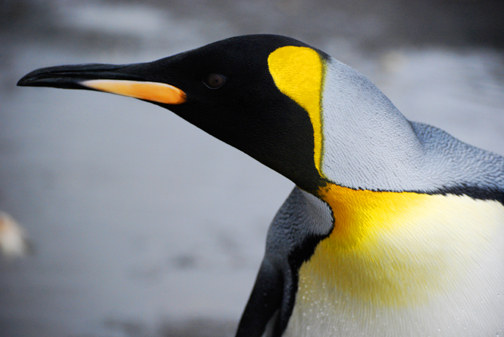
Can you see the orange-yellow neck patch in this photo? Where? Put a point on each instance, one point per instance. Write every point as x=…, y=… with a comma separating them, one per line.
x=298, y=73
x=398, y=248
x=360, y=214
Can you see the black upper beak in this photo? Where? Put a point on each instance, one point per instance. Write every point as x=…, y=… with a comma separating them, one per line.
x=70, y=77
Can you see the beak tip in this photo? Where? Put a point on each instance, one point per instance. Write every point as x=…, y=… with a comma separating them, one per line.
x=46, y=78
x=32, y=79
x=23, y=82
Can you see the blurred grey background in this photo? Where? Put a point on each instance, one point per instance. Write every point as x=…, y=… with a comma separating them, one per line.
x=143, y=225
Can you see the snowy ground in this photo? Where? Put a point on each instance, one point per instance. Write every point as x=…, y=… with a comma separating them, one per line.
x=144, y=225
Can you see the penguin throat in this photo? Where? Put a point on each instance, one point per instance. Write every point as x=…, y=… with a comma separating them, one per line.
x=360, y=214
x=390, y=248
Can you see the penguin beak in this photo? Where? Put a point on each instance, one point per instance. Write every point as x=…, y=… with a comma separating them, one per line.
x=115, y=79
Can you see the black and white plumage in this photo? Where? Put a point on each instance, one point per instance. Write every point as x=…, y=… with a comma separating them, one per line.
x=394, y=228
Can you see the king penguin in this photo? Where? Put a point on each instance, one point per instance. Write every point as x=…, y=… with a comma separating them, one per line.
x=394, y=228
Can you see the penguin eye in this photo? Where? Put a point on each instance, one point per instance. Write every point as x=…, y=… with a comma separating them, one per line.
x=214, y=81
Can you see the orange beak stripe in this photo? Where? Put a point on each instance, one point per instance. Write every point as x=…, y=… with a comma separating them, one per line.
x=150, y=91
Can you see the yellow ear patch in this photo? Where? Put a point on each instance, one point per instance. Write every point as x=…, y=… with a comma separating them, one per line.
x=298, y=73
x=150, y=91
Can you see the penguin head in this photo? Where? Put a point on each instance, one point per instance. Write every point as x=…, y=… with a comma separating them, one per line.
x=258, y=93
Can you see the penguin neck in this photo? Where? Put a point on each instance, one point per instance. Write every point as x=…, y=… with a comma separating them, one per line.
x=360, y=214
x=367, y=143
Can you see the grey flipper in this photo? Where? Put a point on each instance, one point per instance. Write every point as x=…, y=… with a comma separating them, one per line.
x=264, y=301
x=300, y=224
